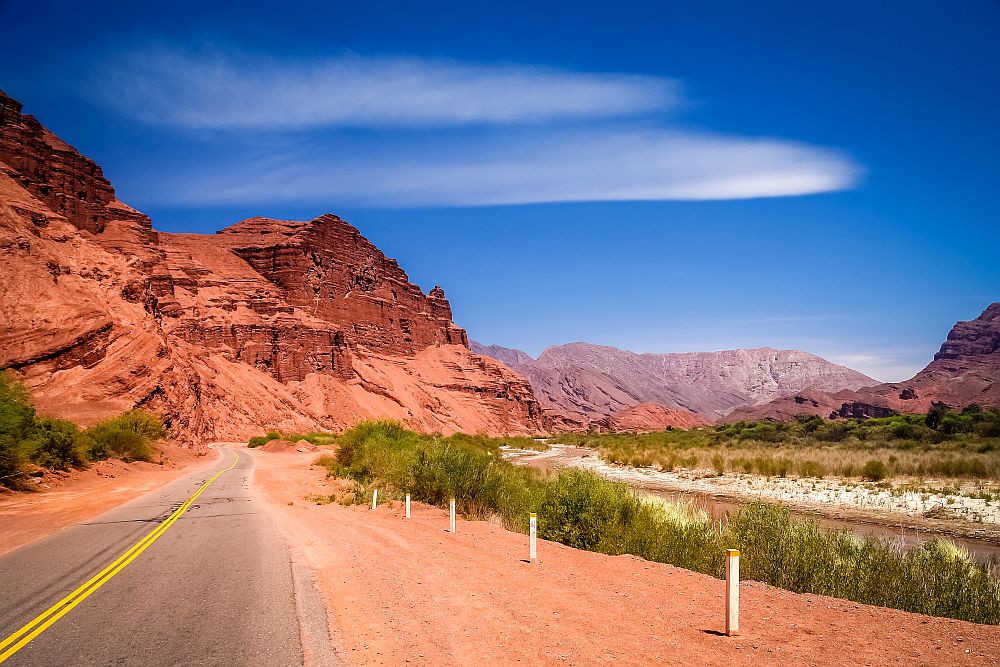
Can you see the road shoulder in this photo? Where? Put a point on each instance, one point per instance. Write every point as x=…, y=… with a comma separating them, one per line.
x=27, y=517
x=409, y=592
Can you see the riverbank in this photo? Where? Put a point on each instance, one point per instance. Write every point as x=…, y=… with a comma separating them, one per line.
x=933, y=513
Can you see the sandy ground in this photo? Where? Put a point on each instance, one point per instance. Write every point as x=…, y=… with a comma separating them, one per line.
x=403, y=592
x=64, y=499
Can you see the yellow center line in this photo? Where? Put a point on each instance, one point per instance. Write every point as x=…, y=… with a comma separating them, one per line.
x=40, y=623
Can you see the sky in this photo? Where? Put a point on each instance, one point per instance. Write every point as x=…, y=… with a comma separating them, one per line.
x=660, y=177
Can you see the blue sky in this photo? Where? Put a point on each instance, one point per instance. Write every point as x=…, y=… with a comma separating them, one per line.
x=654, y=176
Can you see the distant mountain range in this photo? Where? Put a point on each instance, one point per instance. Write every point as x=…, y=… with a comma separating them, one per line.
x=588, y=382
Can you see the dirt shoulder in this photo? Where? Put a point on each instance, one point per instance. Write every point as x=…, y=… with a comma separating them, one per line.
x=409, y=592
x=65, y=499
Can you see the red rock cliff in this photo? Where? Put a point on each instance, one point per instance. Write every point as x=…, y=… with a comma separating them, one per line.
x=269, y=323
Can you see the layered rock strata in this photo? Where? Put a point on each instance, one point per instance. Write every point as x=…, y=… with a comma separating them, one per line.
x=294, y=325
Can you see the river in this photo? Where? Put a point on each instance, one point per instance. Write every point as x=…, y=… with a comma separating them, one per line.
x=981, y=540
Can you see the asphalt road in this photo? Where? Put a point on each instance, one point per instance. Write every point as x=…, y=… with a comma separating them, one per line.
x=216, y=588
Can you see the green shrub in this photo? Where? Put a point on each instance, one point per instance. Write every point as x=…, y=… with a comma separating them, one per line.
x=17, y=423
x=874, y=471
x=831, y=432
x=58, y=444
x=129, y=436
x=312, y=438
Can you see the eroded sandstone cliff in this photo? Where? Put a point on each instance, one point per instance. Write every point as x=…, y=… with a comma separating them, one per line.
x=268, y=324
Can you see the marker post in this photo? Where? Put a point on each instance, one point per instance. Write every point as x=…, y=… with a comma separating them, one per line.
x=533, y=536
x=732, y=592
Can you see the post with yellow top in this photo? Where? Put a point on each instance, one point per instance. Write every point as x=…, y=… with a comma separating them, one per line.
x=732, y=592
x=374, y=498
x=453, y=515
x=533, y=536
x=407, y=506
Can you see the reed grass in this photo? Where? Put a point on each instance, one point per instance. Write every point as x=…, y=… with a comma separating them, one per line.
x=963, y=445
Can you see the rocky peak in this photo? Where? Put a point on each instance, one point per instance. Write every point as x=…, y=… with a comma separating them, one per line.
x=965, y=370
x=69, y=183
x=327, y=268
x=977, y=337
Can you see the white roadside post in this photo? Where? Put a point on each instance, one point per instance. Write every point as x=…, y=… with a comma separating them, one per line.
x=732, y=592
x=407, y=506
x=533, y=536
x=374, y=498
x=453, y=515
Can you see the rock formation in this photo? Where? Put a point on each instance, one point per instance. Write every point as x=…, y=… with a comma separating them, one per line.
x=592, y=382
x=650, y=417
x=965, y=370
x=282, y=324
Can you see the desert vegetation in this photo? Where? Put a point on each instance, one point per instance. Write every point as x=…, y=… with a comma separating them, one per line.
x=27, y=438
x=585, y=511
x=315, y=438
x=477, y=441
x=940, y=444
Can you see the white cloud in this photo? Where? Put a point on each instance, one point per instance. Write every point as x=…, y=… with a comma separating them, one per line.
x=540, y=135
x=520, y=167
x=222, y=88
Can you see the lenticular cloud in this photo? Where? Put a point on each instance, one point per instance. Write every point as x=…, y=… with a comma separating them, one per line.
x=527, y=167
x=230, y=89
x=439, y=133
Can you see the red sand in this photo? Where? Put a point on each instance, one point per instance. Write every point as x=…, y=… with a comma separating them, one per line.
x=79, y=495
x=409, y=592
x=284, y=446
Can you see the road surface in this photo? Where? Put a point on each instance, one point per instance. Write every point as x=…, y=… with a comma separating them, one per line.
x=206, y=579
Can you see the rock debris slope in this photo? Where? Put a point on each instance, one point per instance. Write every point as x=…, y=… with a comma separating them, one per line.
x=269, y=323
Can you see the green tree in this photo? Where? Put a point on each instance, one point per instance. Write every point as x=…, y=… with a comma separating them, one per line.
x=935, y=415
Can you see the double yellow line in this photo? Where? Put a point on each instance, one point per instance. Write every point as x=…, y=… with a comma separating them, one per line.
x=43, y=621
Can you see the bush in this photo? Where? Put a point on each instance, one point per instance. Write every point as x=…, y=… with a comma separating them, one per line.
x=874, y=471
x=832, y=432
x=58, y=444
x=260, y=440
x=17, y=422
x=129, y=437
x=311, y=438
